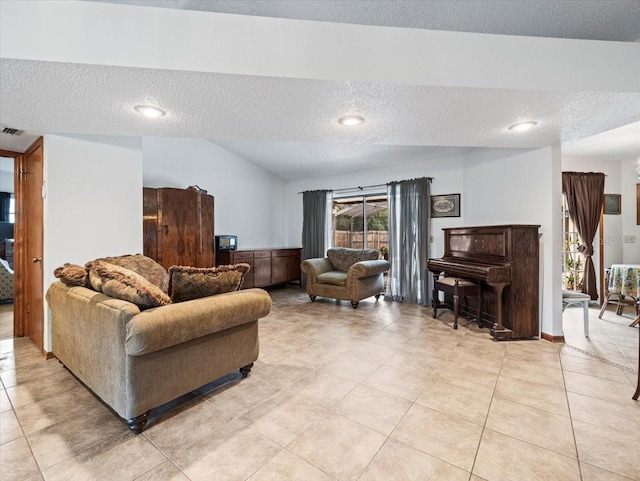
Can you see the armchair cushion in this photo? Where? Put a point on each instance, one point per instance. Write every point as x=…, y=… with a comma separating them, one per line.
x=336, y=278
x=342, y=258
x=6, y=281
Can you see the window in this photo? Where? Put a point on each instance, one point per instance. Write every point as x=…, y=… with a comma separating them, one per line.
x=12, y=209
x=572, y=259
x=361, y=222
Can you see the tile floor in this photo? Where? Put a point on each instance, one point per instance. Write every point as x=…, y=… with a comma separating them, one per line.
x=383, y=393
x=6, y=320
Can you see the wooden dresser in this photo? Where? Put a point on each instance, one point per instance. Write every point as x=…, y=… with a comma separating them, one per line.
x=268, y=266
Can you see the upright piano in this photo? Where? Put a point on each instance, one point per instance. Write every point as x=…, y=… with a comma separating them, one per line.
x=504, y=259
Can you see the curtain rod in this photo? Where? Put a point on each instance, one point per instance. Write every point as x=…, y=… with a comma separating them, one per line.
x=367, y=186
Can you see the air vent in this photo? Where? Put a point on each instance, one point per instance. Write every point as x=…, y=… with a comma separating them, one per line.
x=10, y=131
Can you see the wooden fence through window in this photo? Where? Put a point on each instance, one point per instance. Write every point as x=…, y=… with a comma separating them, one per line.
x=375, y=239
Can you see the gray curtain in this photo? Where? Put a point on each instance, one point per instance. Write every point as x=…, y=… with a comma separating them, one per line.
x=5, y=203
x=314, y=224
x=409, y=221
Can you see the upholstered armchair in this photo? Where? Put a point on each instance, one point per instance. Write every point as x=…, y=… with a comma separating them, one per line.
x=347, y=274
x=6, y=281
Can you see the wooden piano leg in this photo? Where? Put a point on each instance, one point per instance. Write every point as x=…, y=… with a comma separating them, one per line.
x=456, y=303
x=498, y=332
x=435, y=301
x=479, y=304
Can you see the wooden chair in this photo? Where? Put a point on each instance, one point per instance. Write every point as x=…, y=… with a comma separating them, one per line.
x=456, y=287
x=615, y=298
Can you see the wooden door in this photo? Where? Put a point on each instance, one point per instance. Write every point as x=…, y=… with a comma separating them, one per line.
x=177, y=227
x=29, y=245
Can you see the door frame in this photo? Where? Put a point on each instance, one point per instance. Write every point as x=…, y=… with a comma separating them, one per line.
x=18, y=245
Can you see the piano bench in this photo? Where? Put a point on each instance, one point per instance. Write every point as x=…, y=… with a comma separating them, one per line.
x=456, y=287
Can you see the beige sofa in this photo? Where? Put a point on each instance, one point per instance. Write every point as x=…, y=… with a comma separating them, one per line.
x=137, y=360
x=348, y=274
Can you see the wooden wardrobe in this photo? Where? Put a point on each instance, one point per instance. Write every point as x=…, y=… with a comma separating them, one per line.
x=178, y=227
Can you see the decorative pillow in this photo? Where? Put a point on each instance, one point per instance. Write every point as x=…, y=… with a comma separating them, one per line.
x=141, y=265
x=186, y=283
x=342, y=258
x=73, y=275
x=122, y=283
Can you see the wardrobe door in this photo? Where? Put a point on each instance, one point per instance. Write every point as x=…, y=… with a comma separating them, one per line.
x=178, y=227
x=205, y=255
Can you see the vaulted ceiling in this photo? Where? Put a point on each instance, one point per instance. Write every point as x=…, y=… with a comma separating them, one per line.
x=271, y=90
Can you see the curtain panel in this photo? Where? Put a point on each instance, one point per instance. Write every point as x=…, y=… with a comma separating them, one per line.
x=409, y=224
x=585, y=194
x=316, y=225
x=5, y=206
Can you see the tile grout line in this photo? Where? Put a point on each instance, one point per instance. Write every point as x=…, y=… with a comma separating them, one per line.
x=165, y=455
x=573, y=431
x=484, y=426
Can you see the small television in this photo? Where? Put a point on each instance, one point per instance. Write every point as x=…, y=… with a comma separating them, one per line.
x=226, y=242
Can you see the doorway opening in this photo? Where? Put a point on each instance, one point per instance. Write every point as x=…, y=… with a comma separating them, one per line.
x=7, y=242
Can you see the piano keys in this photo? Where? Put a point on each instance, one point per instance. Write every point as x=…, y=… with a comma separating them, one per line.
x=505, y=260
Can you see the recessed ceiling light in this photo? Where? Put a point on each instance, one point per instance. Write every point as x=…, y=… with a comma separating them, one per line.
x=522, y=126
x=150, y=111
x=351, y=120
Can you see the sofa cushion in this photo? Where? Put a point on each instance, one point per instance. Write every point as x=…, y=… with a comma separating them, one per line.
x=73, y=275
x=186, y=283
x=141, y=265
x=336, y=278
x=121, y=283
x=342, y=258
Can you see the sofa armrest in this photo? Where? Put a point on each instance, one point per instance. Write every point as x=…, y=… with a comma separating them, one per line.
x=166, y=326
x=368, y=268
x=314, y=267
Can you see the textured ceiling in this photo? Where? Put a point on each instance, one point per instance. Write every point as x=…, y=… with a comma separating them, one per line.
x=288, y=126
x=616, y=144
x=229, y=109
x=617, y=20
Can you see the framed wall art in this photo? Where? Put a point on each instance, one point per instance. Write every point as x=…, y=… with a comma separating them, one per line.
x=612, y=203
x=445, y=205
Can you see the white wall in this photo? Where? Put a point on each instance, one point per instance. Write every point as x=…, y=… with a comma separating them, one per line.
x=447, y=174
x=6, y=174
x=248, y=200
x=613, y=224
x=508, y=186
x=629, y=177
x=93, y=203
